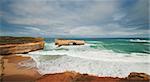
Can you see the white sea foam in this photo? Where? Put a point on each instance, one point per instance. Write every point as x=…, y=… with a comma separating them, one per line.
x=84, y=59
x=138, y=40
x=86, y=52
x=99, y=55
x=94, y=67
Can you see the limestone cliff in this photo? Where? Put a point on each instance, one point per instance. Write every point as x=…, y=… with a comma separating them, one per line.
x=17, y=45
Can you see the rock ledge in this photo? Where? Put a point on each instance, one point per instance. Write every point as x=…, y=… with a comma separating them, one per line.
x=18, y=45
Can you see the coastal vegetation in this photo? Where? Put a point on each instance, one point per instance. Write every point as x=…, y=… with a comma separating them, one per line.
x=18, y=40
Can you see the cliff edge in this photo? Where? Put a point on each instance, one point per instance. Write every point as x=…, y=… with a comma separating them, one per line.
x=18, y=45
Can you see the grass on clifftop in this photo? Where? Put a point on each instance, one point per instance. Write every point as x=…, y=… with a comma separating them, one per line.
x=18, y=40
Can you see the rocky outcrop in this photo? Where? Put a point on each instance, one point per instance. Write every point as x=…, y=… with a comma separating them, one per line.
x=62, y=42
x=17, y=45
x=17, y=68
x=139, y=76
x=76, y=77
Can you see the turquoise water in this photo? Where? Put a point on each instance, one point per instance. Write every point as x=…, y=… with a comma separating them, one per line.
x=119, y=45
x=96, y=57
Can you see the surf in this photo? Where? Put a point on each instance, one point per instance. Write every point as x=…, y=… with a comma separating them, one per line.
x=94, y=58
x=139, y=41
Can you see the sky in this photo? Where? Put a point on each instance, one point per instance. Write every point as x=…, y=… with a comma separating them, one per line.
x=74, y=18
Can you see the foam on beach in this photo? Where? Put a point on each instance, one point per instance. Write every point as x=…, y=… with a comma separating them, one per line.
x=93, y=67
x=84, y=59
x=86, y=52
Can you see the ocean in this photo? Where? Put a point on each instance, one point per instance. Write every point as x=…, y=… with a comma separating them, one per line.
x=99, y=56
x=123, y=45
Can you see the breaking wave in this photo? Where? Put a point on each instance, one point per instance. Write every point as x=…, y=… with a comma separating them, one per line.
x=140, y=41
x=92, y=58
x=88, y=52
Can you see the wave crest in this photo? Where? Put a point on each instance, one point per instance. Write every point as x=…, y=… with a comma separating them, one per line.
x=140, y=41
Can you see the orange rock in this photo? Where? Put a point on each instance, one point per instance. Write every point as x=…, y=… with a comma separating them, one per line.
x=18, y=45
x=11, y=71
x=76, y=77
x=139, y=76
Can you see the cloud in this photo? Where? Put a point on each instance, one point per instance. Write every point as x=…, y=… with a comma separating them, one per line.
x=74, y=18
x=137, y=14
x=32, y=28
x=70, y=12
x=118, y=16
x=1, y=13
x=106, y=30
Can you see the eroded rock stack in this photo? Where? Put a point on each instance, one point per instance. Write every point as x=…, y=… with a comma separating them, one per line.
x=63, y=42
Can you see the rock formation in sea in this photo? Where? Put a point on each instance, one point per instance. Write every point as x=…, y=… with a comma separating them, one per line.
x=17, y=45
x=63, y=42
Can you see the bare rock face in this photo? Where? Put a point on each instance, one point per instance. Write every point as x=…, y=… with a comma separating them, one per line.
x=18, y=68
x=138, y=76
x=62, y=42
x=17, y=45
x=77, y=77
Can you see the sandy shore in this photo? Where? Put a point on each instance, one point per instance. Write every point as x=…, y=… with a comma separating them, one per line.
x=11, y=71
